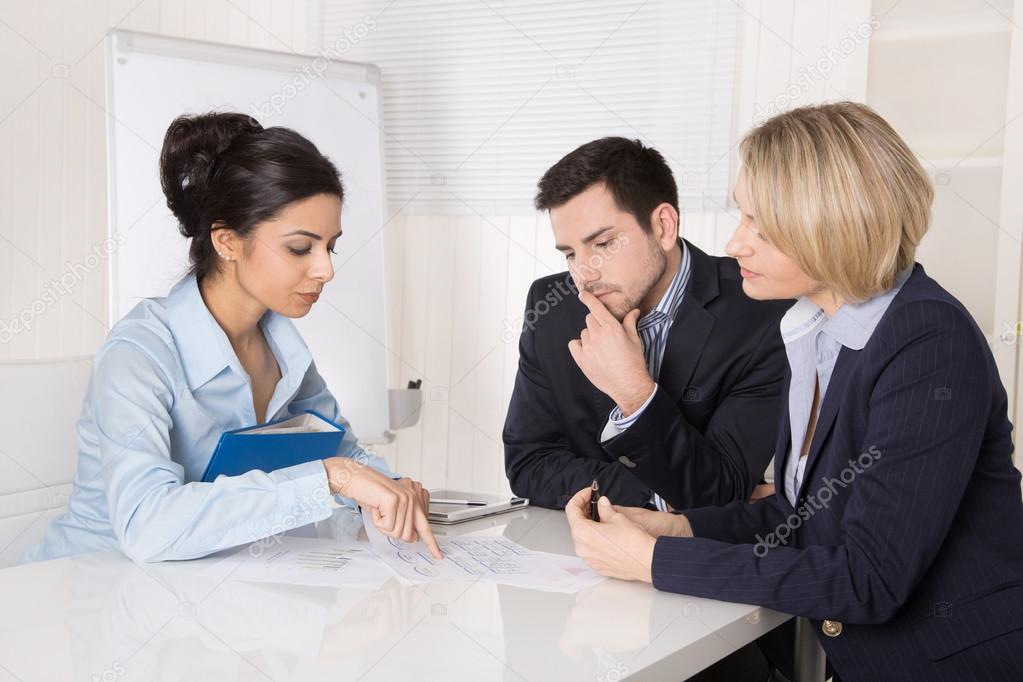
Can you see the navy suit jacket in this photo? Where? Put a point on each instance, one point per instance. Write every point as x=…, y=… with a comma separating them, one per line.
x=705, y=438
x=908, y=528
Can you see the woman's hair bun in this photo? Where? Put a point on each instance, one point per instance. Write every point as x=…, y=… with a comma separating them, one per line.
x=226, y=168
x=190, y=151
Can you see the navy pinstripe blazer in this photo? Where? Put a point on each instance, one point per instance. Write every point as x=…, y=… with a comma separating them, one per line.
x=908, y=530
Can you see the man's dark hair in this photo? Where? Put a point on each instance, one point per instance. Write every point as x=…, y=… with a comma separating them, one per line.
x=637, y=176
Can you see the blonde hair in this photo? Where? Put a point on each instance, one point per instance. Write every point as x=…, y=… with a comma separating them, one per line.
x=836, y=189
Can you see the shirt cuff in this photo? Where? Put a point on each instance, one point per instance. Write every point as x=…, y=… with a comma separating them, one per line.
x=658, y=502
x=304, y=493
x=621, y=421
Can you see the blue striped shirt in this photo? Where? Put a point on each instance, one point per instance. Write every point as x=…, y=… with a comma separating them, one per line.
x=653, y=331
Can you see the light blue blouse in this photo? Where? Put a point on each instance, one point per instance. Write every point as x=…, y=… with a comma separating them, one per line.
x=812, y=344
x=164, y=386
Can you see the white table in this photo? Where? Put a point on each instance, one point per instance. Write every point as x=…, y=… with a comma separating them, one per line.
x=101, y=617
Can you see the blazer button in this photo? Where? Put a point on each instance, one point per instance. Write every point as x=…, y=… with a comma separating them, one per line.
x=627, y=462
x=831, y=628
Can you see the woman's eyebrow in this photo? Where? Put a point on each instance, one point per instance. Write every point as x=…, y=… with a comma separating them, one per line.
x=313, y=235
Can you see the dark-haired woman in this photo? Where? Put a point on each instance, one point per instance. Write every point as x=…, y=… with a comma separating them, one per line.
x=262, y=208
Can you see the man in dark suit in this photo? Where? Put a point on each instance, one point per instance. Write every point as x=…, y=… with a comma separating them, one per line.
x=644, y=367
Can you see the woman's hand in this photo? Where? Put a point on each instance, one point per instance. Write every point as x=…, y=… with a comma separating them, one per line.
x=616, y=546
x=398, y=508
x=421, y=493
x=657, y=523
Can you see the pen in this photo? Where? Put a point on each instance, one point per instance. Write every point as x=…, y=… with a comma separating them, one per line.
x=594, y=496
x=471, y=503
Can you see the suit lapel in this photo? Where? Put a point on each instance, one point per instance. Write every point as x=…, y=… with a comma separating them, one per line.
x=783, y=443
x=602, y=404
x=686, y=339
x=692, y=326
x=829, y=409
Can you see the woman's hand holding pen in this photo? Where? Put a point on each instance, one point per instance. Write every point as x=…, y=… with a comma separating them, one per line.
x=399, y=508
x=615, y=546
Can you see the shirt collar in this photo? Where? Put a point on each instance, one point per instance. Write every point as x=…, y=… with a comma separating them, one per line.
x=803, y=317
x=205, y=349
x=672, y=298
x=851, y=325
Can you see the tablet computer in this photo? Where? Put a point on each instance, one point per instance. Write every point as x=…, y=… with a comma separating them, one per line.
x=455, y=506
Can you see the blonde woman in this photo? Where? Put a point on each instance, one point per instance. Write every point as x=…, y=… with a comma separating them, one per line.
x=897, y=525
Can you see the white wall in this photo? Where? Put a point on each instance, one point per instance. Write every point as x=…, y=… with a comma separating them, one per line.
x=53, y=219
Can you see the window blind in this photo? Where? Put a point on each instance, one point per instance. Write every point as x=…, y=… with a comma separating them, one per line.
x=480, y=97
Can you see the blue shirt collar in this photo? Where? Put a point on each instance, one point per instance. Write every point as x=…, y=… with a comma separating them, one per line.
x=851, y=325
x=205, y=349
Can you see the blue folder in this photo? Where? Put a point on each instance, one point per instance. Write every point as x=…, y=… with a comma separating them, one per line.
x=241, y=450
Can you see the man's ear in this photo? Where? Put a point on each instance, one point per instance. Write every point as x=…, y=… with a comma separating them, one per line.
x=664, y=222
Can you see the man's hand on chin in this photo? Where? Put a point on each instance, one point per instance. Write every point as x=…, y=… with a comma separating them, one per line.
x=610, y=354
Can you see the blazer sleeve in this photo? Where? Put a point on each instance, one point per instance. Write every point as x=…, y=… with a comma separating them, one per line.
x=690, y=468
x=538, y=460
x=925, y=445
x=739, y=522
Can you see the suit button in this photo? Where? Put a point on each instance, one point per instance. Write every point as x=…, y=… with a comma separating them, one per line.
x=627, y=462
x=831, y=628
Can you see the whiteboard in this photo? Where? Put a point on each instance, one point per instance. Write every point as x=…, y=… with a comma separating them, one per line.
x=153, y=79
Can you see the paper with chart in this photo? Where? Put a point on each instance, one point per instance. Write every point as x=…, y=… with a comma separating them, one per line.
x=481, y=557
x=308, y=561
